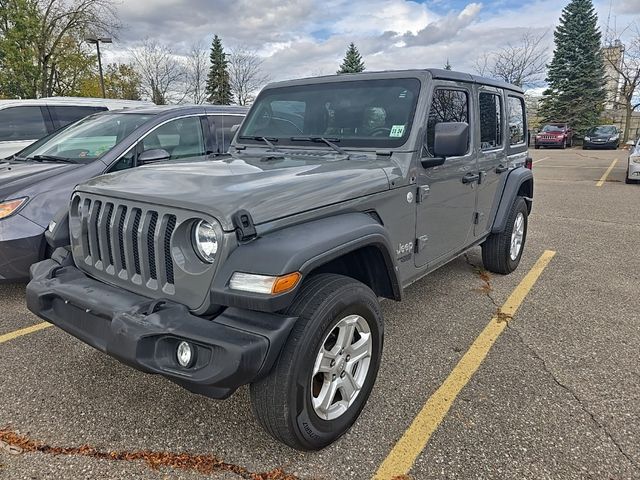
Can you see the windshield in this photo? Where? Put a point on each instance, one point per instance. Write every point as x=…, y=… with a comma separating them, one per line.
x=603, y=130
x=366, y=113
x=553, y=128
x=88, y=139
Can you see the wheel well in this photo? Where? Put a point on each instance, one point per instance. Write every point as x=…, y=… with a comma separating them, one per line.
x=526, y=191
x=367, y=265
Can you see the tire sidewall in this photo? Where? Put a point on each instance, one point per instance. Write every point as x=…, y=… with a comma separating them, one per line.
x=311, y=429
x=518, y=206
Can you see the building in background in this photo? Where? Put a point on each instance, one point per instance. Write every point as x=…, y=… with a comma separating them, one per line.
x=613, y=55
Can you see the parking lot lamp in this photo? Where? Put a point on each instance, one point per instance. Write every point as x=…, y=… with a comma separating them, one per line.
x=96, y=41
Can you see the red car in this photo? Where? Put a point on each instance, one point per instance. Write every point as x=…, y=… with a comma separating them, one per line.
x=554, y=135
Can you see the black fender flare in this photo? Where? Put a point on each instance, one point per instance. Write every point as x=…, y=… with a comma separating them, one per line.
x=515, y=180
x=300, y=248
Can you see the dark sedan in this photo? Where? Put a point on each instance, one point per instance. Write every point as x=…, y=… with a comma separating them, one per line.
x=37, y=182
x=603, y=136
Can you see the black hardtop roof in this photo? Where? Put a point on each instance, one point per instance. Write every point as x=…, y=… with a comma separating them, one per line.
x=435, y=73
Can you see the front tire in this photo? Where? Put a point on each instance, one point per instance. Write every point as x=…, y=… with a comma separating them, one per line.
x=327, y=368
x=501, y=252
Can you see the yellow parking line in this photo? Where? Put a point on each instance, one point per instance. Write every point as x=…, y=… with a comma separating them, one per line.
x=404, y=453
x=538, y=161
x=24, y=331
x=606, y=174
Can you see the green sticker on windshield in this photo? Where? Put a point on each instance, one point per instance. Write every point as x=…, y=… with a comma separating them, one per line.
x=397, y=131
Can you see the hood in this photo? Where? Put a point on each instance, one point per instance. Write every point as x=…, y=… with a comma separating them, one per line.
x=268, y=189
x=17, y=175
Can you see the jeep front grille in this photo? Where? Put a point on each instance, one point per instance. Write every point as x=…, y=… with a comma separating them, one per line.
x=128, y=243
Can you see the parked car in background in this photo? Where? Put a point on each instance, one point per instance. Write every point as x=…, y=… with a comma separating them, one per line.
x=38, y=181
x=554, y=135
x=633, y=167
x=602, y=136
x=22, y=122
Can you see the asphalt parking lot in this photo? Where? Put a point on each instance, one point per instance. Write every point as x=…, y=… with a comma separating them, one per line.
x=557, y=396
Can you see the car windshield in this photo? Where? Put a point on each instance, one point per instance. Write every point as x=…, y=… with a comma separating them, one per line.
x=365, y=113
x=603, y=130
x=553, y=128
x=86, y=140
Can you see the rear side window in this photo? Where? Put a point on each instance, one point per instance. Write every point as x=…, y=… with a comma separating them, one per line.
x=224, y=125
x=490, y=121
x=64, y=115
x=448, y=105
x=516, y=120
x=22, y=123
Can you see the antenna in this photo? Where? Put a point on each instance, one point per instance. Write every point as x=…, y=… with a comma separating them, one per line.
x=607, y=33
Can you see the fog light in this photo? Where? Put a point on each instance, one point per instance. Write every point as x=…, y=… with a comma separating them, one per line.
x=185, y=354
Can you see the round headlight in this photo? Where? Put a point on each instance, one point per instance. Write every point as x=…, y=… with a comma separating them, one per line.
x=205, y=241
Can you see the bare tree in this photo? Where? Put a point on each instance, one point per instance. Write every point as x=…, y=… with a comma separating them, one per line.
x=522, y=64
x=197, y=68
x=246, y=74
x=162, y=73
x=627, y=66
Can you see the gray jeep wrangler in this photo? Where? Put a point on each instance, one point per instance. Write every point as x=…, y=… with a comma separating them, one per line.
x=266, y=267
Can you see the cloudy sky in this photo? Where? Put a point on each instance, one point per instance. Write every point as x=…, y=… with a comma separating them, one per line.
x=309, y=37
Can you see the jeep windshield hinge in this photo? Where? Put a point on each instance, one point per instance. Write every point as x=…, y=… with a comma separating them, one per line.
x=245, y=229
x=423, y=193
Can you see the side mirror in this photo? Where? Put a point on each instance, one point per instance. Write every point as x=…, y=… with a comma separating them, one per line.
x=153, y=155
x=451, y=139
x=234, y=128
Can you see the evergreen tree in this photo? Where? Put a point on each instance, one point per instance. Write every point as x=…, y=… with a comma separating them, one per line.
x=218, y=84
x=576, y=74
x=352, y=62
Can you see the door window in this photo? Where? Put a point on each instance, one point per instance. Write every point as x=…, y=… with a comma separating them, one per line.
x=448, y=105
x=182, y=138
x=224, y=134
x=516, y=120
x=21, y=123
x=490, y=121
x=66, y=114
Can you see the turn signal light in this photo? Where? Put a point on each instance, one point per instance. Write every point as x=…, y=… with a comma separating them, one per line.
x=285, y=283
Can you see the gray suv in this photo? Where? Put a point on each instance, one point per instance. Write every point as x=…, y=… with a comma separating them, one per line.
x=266, y=267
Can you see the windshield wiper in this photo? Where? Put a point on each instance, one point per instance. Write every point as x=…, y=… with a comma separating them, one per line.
x=51, y=158
x=327, y=141
x=268, y=140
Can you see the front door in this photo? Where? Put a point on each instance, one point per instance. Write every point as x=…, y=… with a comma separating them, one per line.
x=447, y=193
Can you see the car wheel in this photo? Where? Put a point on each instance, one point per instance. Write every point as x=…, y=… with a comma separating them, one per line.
x=536, y=147
x=501, y=252
x=327, y=367
x=564, y=144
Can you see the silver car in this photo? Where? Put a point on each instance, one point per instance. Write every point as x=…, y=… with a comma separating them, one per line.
x=633, y=169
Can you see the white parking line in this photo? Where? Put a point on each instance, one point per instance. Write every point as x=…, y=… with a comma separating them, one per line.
x=544, y=158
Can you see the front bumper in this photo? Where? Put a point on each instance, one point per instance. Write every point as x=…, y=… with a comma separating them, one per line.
x=634, y=171
x=235, y=348
x=548, y=142
x=600, y=144
x=21, y=244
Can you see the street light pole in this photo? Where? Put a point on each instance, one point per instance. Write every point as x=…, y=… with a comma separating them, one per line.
x=97, y=41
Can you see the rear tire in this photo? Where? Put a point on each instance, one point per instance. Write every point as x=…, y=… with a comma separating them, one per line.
x=501, y=252
x=288, y=403
x=536, y=147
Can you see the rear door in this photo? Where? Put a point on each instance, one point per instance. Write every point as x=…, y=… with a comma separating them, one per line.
x=446, y=200
x=492, y=154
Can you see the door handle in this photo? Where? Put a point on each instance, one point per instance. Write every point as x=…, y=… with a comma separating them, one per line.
x=501, y=168
x=470, y=178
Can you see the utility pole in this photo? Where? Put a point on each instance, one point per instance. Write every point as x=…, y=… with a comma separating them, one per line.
x=96, y=41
